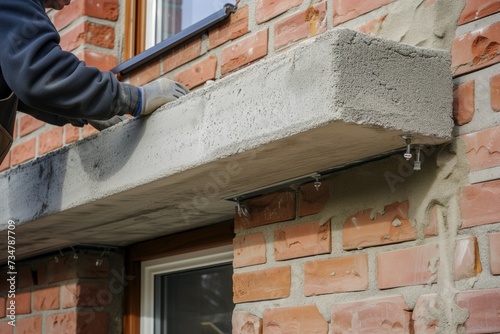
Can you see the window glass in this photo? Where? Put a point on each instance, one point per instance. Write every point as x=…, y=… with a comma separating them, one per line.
x=197, y=301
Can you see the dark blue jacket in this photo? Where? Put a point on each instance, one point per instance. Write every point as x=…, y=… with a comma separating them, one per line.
x=49, y=83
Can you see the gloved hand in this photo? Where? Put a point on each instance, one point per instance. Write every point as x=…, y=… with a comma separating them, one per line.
x=159, y=92
x=101, y=125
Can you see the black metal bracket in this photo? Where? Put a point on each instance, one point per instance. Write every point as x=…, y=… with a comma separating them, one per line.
x=171, y=42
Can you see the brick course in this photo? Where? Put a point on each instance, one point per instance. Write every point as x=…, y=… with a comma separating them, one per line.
x=263, y=284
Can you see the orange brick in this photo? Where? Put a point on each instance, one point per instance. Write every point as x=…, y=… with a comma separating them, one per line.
x=6, y=162
x=50, y=140
x=2, y=307
x=31, y=325
x=494, y=243
x=182, y=54
x=84, y=294
x=301, y=25
x=482, y=148
x=102, y=61
x=495, y=92
x=372, y=27
x=5, y=328
x=301, y=319
x=244, y=51
x=372, y=316
x=268, y=9
x=463, y=103
x=345, y=10
x=348, y=273
x=103, y=9
x=23, y=302
x=476, y=50
x=89, y=130
x=300, y=240
x=28, y=124
x=264, y=284
x=199, y=73
x=25, y=277
x=71, y=133
x=432, y=228
x=267, y=209
x=46, y=299
x=69, y=268
x=420, y=266
x=424, y=314
x=249, y=250
x=467, y=262
x=88, y=33
x=475, y=9
x=145, y=74
x=479, y=204
x=366, y=229
x=81, y=322
x=23, y=152
x=311, y=199
x=483, y=306
x=245, y=323
x=234, y=27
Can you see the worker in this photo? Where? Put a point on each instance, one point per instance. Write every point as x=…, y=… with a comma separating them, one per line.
x=38, y=78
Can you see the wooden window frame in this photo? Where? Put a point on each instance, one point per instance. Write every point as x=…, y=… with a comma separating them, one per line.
x=185, y=242
x=135, y=28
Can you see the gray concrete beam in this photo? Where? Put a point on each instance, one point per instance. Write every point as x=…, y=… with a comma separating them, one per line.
x=337, y=98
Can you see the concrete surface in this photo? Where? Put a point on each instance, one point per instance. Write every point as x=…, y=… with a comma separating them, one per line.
x=337, y=98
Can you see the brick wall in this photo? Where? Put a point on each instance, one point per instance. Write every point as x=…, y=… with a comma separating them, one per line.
x=65, y=294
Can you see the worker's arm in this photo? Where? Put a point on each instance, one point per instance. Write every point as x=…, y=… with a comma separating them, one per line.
x=51, y=80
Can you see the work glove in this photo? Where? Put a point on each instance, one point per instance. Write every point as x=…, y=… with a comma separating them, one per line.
x=101, y=125
x=157, y=93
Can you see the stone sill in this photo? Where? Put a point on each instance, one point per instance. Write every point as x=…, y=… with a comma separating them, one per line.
x=337, y=98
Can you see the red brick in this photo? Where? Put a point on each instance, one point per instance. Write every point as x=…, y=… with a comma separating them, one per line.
x=67, y=268
x=348, y=273
x=420, y=266
x=301, y=25
x=88, y=33
x=50, y=140
x=249, y=250
x=244, y=51
x=267, y=209
x=300, y=240
x=432, y=228
x=483, y=148
x=182, y=54
x=301, y=319
x=2, y=307
x=483, y=307
x=5, y=328
x=6, y=162
x=311, y=199
x=103, y=9
x=24, y=277
x=476, y=50
x=23, y=302
x=23, y=152
x=84, y=294
x=46, y=299
x=367, y=228
x=89, y=130
x=495, y=92
x=467, y=263
x=102, y=61
x=345, y=10
x=479, y=204
x=234, y=27
x=246, y=323
x=31, y=325
x=463, y=103
x=198, y=73
x=494, y=242
x=268, y=9
x=475, y=9
x=81, y=323
x=424, y=314
x=28, y=124
x=145, y=74
x=264, y=284
x=380, y=315
x=372, y=27
x=71, y=133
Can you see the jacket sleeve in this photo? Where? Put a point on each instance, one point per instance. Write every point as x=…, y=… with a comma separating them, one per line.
x=48, y=79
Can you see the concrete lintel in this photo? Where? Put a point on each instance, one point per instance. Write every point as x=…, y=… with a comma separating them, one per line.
x=331, y=100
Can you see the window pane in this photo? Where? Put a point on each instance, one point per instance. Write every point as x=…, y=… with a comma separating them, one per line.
x=176, y=15
x=197, y=302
